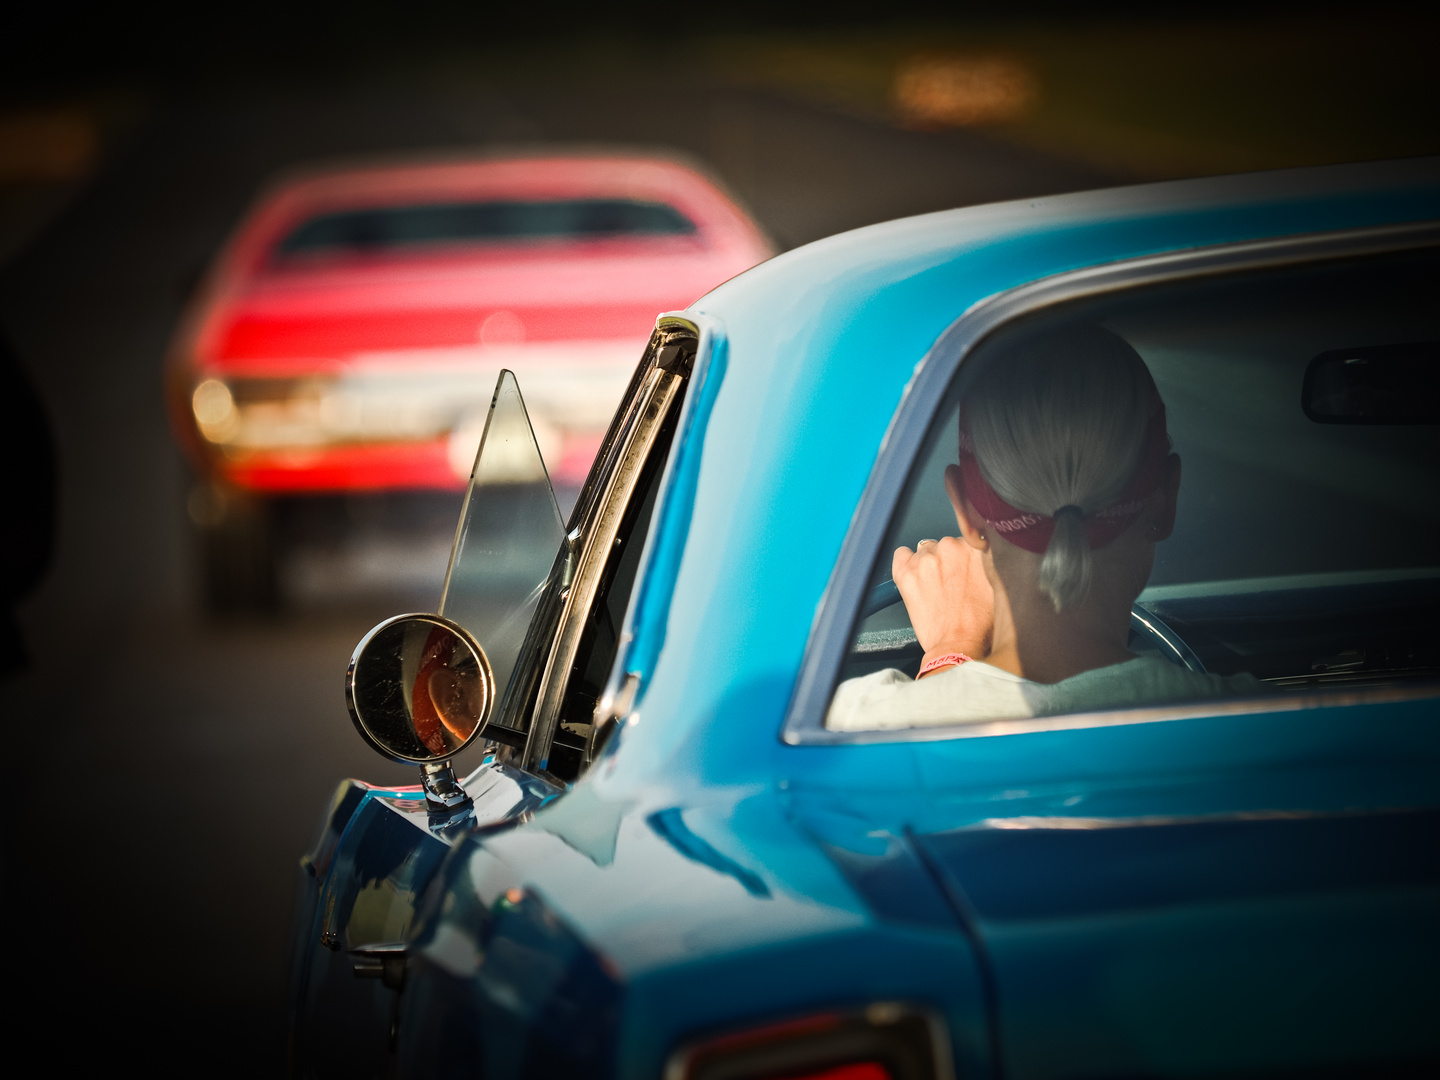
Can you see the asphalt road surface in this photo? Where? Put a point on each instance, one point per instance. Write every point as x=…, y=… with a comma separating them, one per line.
x=164, y=771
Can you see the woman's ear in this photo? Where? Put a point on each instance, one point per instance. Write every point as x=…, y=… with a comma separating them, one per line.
x=972, y=529
x=1164, y=523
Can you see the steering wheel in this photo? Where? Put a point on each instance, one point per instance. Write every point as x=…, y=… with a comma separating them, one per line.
x=1145, y=625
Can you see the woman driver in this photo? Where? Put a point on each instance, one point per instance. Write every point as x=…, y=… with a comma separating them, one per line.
x=1065, y=485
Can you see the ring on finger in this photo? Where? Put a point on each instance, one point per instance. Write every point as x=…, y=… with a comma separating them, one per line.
x=927, y=542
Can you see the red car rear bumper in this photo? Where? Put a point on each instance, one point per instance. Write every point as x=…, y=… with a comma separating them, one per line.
x=366, y=467
x=398, y=466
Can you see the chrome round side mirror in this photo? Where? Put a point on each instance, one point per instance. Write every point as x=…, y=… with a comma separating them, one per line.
x=419, y=688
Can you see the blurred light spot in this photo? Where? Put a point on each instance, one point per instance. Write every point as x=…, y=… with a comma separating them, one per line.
x=215, y=411
x=959, y=91
x=502, y=328
x=52, y=145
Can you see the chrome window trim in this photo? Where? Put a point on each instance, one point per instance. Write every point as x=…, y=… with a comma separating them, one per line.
x=1252, y=706
x=659, y=560
x=830, y=630
x=638, y=428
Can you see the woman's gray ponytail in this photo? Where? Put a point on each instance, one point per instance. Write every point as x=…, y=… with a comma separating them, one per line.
x=1065, y=569
x=1058, y=423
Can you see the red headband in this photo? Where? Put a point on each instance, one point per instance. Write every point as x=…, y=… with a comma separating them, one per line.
x=1033, y=531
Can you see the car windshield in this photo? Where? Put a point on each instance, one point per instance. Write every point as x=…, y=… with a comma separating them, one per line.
x=1305, y=549
x=389, y=228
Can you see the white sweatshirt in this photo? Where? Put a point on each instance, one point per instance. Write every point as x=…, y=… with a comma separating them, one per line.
x=976, y=692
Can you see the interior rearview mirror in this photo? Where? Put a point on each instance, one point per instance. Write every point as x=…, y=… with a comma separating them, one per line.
x=1375, y=384
x=419, y=688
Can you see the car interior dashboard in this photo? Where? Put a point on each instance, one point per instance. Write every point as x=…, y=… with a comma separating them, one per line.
x=1353, y=629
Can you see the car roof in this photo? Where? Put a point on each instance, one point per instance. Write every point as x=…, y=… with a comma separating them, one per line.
x=381, y=183
x=819, y=346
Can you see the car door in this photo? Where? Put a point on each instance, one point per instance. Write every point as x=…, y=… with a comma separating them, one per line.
x=1243, y=885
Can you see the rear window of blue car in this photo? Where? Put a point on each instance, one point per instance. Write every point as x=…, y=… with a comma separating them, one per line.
x=1303, y=404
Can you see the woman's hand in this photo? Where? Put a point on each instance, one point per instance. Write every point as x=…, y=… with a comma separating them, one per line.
x=947, y=595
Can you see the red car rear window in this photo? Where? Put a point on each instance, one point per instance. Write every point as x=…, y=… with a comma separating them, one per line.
x=390, y=227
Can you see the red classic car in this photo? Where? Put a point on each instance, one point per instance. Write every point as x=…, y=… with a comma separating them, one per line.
x=349, y=335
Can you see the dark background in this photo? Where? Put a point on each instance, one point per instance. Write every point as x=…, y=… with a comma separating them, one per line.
x=165, y=768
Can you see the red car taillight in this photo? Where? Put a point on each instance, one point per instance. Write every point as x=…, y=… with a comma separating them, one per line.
x=863, y=1070
x=882, y=1042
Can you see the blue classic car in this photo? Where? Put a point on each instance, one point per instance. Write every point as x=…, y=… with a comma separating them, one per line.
x=714, y=826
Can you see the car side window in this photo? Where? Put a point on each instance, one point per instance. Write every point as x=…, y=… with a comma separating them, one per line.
x=1302, y=408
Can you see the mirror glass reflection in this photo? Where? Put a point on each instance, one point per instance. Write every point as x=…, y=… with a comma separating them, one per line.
x=420, y=691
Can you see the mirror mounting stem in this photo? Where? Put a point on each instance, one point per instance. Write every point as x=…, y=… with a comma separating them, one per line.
x=443, y=793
